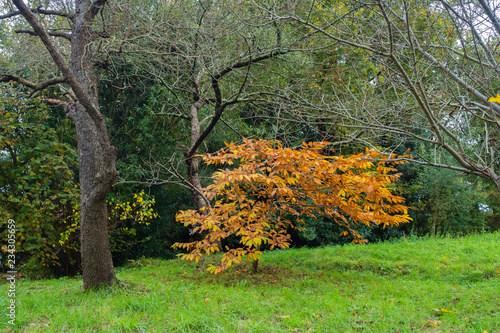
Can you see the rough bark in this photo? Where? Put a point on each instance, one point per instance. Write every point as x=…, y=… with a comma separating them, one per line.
x=97, y=174
x=96, y=157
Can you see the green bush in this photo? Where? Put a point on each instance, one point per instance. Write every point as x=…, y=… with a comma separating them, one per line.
x=38, y=185
x=447, y=203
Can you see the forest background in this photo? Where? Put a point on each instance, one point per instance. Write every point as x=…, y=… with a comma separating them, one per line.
x=174, y=79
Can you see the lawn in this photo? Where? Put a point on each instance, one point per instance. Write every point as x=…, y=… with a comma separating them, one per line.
x=412, y=285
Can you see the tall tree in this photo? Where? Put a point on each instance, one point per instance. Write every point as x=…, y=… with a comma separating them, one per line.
x=96, y=155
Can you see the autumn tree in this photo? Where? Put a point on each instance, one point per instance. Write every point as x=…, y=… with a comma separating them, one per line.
x=68, y=31
x=273, y=188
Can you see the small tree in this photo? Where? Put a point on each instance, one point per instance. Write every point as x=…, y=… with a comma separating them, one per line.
x=274, y=187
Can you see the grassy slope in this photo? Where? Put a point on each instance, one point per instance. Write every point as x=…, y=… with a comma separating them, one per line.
x=426, y=285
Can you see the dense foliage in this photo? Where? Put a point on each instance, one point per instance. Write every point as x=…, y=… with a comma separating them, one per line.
x=37, y=184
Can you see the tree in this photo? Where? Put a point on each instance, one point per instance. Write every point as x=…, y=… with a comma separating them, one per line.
x=96, y=155
x=274, y=188
x=210, y=57
x=447, y=204
x=39, y=189
x=427, y=72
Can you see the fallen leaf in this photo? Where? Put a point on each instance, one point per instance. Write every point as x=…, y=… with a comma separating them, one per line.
x=433, y=323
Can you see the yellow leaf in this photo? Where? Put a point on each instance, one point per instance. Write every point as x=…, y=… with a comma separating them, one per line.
x=494, y=99
x=433, y=323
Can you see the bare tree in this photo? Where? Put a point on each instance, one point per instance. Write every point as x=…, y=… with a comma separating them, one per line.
x=426, y=72
x=96, y=155
x=211, y=56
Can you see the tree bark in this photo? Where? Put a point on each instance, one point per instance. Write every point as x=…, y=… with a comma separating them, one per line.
x=255, y=263
x=96, y=158
x=192, y=161
x=97, y=174
x=255, y=266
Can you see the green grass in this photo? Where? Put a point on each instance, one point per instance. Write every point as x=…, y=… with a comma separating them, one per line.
x=417, y=285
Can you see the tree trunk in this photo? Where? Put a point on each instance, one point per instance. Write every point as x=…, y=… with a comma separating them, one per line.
x=96, y=159
x=192, y=163
x=97, y=174
x=255, y=266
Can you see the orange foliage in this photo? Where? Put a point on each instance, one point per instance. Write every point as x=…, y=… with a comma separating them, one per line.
x=273, y=187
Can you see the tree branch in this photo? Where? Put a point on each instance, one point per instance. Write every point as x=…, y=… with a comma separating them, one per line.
x=39, y=10
x=458, y=80
x=35, y=86
x=59, y=61
x=56, y=102
x=96, y=6
x=491, y=15
x=50, y=33
x=219, y=108
x=9, y=15
x=335, y=38
x=186, y=183
x=446, y=166
x=242, y=64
